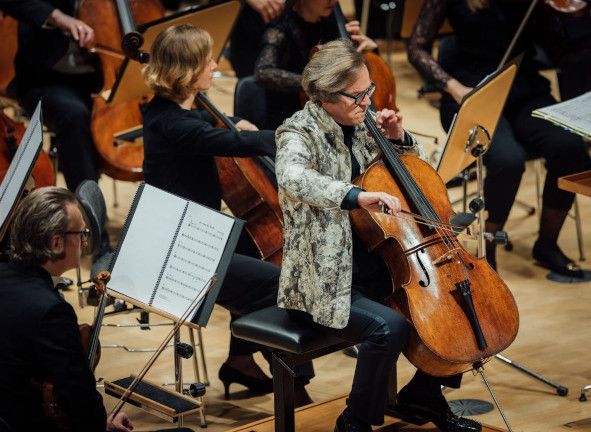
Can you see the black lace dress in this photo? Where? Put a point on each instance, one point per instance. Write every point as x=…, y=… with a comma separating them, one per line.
x=286, y=49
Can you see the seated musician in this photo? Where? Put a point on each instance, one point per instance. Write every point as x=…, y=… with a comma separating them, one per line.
x=519, y=136
x=52, y=64
x=180, y=145
x=328, y=279
x=39, y=333
x=287, y=43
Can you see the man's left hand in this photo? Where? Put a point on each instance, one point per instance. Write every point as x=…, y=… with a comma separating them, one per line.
x=390, y=123
x=245, y=125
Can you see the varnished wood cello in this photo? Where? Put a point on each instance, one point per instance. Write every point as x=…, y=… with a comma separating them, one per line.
x=250, y=194
x=11, y=133
x=110, y=21
x=462, y=313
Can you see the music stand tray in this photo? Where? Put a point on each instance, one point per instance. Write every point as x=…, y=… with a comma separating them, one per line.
x=217, y=17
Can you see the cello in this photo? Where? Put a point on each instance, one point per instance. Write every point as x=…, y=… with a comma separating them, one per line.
x=110, y=21
x=460, y=310
x=11, y=133
x=250, y=194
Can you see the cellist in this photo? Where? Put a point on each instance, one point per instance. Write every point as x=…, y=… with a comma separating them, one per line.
x=38, y=329
x=180, y=144
x=51, y=65
x=328, y=279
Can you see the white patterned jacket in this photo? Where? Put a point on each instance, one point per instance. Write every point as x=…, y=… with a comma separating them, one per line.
x=313, y=170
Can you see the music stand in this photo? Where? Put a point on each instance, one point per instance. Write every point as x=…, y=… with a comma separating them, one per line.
x=472, y=130
x=217, y=17
x=20, y=168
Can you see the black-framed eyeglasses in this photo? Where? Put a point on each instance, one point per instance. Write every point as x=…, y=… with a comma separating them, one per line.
x=84, y=234
x=359, y=97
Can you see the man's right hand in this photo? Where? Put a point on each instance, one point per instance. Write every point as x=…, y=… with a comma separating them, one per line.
x=379, y=201
x=120, y=423
x=80, y=31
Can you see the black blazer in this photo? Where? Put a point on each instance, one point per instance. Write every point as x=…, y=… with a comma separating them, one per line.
x=39, y=338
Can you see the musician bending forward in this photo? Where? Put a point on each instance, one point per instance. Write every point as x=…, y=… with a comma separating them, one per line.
x=39, y=333
x=180, y=144
x=328, y=279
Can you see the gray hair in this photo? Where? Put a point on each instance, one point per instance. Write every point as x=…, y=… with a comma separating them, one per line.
x=331, y=69
x=39, y=216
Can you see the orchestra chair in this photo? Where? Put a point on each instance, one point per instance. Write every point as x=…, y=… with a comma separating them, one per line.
x=291, y=343
x=250, y=101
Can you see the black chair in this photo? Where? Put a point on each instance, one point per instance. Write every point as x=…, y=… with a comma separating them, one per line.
x=292, y=343
x=250, y=101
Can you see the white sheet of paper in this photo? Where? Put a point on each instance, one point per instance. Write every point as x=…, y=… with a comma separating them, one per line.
x=194, y=258
x=146, y=244
x=574, y=114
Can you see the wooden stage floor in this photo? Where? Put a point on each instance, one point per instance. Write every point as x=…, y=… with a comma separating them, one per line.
x=320, y=417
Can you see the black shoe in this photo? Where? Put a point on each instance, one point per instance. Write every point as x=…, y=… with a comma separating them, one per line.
x=229, y=375
x=346, y=424
x=550, y=256
x=444, y=419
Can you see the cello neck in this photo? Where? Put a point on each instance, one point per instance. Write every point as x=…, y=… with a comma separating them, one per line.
x=216, y=113
x=399, y=172
x=341, y=21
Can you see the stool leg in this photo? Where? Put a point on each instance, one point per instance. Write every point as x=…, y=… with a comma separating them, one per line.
x=283, y=396
x=577, y=218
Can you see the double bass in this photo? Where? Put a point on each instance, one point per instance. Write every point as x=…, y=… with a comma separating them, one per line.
x=460, y=310
x=250, y=194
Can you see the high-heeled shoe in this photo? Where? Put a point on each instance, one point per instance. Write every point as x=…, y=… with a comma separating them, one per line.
x=550, y=256
x=229, y=375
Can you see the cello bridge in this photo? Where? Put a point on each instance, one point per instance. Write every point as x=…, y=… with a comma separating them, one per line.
x=447, y=256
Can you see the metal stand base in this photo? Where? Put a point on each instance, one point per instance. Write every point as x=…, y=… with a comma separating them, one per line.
x=560, y=390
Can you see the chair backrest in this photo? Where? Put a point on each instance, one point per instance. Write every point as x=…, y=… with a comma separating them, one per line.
x=92, y=201
x=250, y=101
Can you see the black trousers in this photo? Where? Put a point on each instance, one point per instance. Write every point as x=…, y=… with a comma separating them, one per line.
x=381, y=333
x=67, y=111
x=250, y=285
x=520, y=137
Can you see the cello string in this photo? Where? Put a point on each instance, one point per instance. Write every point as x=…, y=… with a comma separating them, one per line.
x=420, y=200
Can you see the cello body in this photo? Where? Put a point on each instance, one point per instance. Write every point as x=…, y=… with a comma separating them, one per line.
x=425, y=282
x=119, y=160
x=11, y=133
x=250, y=195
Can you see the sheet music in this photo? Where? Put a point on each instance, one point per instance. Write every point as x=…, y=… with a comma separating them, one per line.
x=21, y=166
x=169, y=251
x=193, y=259
x=146, y=244
x=573, y=114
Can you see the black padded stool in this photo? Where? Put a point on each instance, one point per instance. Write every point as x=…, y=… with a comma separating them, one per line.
x=292, y=343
